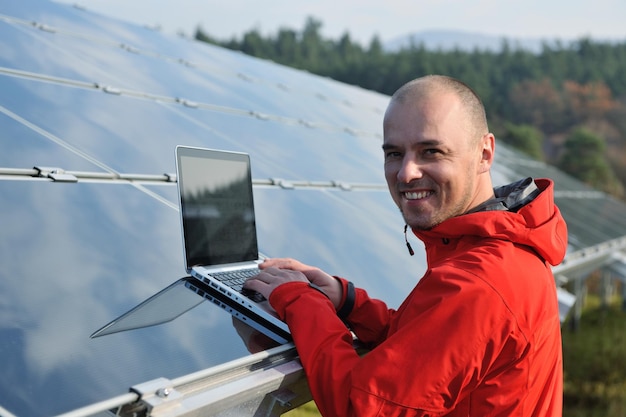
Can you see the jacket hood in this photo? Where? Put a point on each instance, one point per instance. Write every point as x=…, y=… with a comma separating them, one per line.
x=523, y=212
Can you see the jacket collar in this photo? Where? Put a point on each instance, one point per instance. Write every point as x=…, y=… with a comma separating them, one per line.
x=510, y=197
x=523, y=213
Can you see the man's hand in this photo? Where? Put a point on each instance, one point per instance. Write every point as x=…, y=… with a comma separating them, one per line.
x=275, y=272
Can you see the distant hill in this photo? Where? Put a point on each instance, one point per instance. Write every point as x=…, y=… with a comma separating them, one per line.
x=447, y=40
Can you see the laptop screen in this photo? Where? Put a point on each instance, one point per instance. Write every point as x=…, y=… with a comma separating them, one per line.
x=217, y=208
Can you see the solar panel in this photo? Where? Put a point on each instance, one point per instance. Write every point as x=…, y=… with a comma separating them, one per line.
x=101, y=105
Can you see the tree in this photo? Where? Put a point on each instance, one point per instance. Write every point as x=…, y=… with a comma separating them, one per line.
x=525, y=138
x=201, y=35
x=537, y=103
x=584, y=158
x=588, y=101
x=254, y=44
x=287, y=47
x=312, y=45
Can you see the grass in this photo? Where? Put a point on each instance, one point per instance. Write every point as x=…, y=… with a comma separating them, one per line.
x=594, y=359
x=306, y=410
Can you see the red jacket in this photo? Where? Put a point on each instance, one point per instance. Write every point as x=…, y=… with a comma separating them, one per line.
x=479, y=335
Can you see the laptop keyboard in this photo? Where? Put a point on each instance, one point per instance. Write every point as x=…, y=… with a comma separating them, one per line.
x=235, y=280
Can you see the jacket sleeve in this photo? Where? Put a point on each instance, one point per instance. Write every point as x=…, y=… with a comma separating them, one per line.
x=369, y=318
x=441, y=353
x=319, y=334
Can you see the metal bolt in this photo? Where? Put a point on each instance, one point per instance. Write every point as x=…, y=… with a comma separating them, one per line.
x=163, y=392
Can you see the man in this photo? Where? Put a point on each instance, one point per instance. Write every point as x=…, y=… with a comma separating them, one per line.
x=479, y=335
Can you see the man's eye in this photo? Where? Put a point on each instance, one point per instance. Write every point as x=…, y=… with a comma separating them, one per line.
x=431, y=151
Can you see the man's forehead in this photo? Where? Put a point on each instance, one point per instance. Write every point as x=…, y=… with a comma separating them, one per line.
x=389, y=143
x=424, y=109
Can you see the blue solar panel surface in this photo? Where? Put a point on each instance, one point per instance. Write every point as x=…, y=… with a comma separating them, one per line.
x=85, y=93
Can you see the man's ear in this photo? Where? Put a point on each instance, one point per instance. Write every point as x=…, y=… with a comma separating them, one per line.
x=488, y=148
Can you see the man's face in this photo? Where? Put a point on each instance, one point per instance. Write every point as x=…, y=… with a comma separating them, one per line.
x=431, y=162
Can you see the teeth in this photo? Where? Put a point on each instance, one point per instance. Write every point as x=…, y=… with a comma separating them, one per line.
x=416, y=195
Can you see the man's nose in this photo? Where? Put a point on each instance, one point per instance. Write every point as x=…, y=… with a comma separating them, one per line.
x=409, y=170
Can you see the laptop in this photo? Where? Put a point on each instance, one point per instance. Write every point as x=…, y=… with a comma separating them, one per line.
x=219, y=233
x=243, y=314
x=176, y=299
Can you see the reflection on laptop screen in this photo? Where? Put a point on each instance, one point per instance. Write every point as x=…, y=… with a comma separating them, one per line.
x=217, y=208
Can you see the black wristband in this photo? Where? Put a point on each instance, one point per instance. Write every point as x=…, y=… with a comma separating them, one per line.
x=348, y=304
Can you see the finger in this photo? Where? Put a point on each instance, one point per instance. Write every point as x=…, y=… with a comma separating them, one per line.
x=259, y=286
x=282, y=263
x=268, y=275
x=273, y=263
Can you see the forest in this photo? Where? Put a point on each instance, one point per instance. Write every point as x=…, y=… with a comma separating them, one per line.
x=565, y=105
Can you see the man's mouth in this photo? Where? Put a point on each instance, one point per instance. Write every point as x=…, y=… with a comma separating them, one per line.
x=416, y=195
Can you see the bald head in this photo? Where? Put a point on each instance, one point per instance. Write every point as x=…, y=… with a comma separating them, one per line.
x=424, y=88
x=438, y=151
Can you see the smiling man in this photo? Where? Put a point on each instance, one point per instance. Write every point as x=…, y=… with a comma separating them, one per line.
x=438, y=151
x=479, y=335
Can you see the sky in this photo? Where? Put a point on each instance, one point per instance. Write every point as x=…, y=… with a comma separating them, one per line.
x=388, y=19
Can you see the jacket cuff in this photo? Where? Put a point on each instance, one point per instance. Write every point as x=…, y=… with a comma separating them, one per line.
x=287, y=293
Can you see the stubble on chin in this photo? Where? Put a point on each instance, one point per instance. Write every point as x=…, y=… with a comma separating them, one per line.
x=417, y=223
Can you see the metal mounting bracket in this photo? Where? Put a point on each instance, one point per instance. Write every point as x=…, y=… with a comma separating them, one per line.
x=158, y=395
x=55, y=174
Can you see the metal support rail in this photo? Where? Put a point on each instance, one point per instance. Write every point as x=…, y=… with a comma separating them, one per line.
x=60, y=175
x=590, y=258
x=109, y=89
x=267, y=383
x=56, y=174
x=103, y=406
